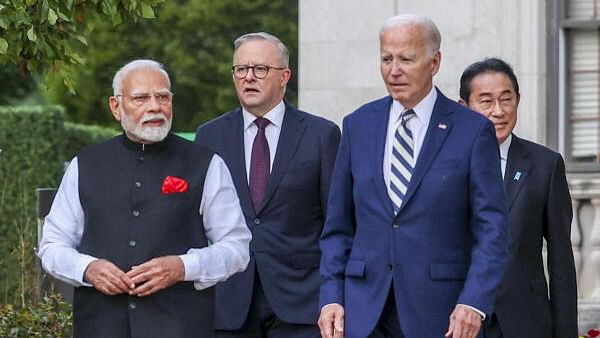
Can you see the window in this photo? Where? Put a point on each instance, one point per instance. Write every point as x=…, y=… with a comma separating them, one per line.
x=574, y=46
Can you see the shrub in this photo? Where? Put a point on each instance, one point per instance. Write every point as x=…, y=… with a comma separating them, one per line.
x=34, y=143
x=51, y=317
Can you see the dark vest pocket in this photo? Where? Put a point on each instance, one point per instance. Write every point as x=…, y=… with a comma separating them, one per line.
x=448, y=271
x=355, y=268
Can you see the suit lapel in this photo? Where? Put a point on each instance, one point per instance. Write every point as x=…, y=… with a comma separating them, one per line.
x=518, y=164
x=440, y=125
x=379, y=126
x=238, y=161
x=292, y=129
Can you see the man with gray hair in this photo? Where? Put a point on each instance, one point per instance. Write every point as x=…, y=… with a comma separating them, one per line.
x=132, y=218
x=281, y=161
x=415, y=239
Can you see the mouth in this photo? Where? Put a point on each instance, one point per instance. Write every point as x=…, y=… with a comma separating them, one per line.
x=154, y=121
x=251, y=91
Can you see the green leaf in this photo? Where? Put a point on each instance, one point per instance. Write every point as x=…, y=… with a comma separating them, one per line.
x=147, y=11
x=3, y=46
x=52, y=17
x=3, y=24
x=31, y=35
x=81, y=39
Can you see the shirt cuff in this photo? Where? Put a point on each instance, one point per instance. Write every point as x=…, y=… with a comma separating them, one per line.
x=80, y=268
x=481, y=313
x=191, y=266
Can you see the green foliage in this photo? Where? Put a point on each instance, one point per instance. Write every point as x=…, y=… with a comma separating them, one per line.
x=34, y=143
x=41, y=35
x=194, y=39
x=51, y=317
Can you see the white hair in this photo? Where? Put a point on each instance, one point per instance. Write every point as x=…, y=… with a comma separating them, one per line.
x=433, y=34
x=120, y=75
x=284, y=54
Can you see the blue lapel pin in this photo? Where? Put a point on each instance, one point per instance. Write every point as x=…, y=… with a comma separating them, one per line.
x=517, y=176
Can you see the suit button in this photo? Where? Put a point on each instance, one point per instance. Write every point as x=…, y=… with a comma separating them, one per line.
x=132, y=305
x=395, y=224
x=135, y=213
x=138, y=184
x=141, y=159
x=132, y=243
x=256, y=221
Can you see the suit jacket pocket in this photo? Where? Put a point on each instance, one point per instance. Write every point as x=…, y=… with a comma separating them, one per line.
x=355, y=268
x=306, y=261
x=448, y=271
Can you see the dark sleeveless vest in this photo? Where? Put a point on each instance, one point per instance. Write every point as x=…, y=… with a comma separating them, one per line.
x=129, y=221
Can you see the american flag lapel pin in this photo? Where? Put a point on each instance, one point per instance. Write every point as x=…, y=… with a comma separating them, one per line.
x=442, y=126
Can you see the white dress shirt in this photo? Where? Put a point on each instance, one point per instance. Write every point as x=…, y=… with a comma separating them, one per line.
x=417, y=125
x=272, y=131
x=224, y=226
x=504, y=153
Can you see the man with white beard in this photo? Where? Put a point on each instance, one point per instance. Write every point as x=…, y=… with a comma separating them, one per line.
x=132, y=218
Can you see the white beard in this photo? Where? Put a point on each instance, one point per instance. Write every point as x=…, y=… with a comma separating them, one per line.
x=143, y=133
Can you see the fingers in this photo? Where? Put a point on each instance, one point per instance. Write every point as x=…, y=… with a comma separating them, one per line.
x=107, y=278
x=331, y=321
x=464, y=323
x=156, y=274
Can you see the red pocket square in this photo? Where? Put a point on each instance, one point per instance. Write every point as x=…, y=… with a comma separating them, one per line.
x=174, y=184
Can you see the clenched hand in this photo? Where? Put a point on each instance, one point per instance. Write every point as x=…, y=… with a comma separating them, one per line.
x=108, y=278
x=156, y=274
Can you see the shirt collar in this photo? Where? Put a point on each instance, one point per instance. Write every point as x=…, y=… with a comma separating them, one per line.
x=423, y=109
x=504, y=147
x=275, y=116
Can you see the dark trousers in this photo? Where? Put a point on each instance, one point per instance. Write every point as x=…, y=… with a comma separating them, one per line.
x=491, y=327
x=262, y=322
x=388, y=325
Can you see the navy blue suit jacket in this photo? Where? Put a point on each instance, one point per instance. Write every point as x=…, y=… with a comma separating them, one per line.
x=448, y=244
x=539, y=207
x=284, y=250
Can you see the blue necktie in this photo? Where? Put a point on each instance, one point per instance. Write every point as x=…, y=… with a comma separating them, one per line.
x=402, y=161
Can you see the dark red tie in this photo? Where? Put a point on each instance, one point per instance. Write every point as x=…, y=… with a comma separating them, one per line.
x=259, y=164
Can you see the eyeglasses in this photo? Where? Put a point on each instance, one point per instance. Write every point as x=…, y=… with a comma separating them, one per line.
x=507, y=102
x=142, y=99
x=260, y=71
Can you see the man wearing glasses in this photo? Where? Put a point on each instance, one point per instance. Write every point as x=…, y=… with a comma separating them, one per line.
x=539, y=208
x=281, y=161
x=131, y=221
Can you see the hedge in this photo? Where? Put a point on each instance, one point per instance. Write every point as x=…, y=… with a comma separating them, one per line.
x=35, y=142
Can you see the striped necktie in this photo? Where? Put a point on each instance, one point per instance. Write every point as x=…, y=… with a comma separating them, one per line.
x=402, y=162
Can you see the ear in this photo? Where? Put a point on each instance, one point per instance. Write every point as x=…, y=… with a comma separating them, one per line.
x=113, y=103
x=435, y=62
x=461, y=101
x=286, y=75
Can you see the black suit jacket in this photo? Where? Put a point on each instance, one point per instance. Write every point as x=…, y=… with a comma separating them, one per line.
x=539, y=206
x=284, y=250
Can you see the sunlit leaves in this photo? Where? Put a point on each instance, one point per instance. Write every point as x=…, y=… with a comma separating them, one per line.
x=38, y=35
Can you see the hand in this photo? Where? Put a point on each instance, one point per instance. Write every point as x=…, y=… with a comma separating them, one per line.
x=156, y=274
x=331, y=321
x=464, y=323
x=107, y=278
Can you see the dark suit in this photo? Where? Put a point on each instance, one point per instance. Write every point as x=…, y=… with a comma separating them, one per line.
x=284, y=251
x=447, y=244
x=539, y=207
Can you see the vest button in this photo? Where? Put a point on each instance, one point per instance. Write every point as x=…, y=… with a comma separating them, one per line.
x=138, y=184
x=132, y=243
x=141, y=159
x=132, y=305
x=135, y=213
x=256, y=221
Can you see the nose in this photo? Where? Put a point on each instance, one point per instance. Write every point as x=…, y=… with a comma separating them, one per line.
x=250, y=75
x=497, y=109
x=153, y=103
x=396, y=69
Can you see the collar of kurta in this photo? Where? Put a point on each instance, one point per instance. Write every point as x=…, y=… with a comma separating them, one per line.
x=145, y=147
